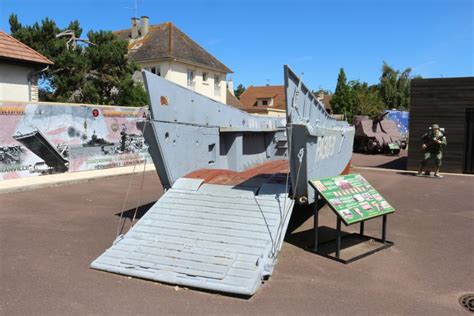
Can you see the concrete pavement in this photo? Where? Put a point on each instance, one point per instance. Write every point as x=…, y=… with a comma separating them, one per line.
x=48, y=238
x=45, y=181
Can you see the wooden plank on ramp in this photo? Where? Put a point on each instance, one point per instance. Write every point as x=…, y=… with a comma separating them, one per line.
x=215, y=237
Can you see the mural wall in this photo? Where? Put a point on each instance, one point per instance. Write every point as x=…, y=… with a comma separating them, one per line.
x=401, y=118
x=41, y=138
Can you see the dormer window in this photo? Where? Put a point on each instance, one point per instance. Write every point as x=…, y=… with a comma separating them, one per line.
x=264, y=102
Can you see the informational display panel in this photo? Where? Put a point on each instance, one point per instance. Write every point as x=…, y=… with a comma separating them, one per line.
x=352, y=198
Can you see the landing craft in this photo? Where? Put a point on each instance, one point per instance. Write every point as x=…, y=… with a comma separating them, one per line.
x=229, y=195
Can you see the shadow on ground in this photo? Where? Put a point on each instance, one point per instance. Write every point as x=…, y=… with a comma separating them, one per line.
x=399, y=163
x=140, y=211
x=353, y=245
x=305, y=239
x=132, y=214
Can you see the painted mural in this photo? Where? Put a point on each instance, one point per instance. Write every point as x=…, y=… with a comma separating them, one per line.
x=401, y=118
x=42, y=138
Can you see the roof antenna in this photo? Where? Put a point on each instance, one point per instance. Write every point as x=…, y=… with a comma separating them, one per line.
x=135, y=8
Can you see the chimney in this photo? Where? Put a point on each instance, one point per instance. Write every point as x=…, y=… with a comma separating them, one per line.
x=320, y=95
x=144, y=25
x=230, y=86
x=134, y=33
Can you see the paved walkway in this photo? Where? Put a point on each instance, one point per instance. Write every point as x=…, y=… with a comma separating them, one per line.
x=49, y=237
x=38, y=182
x=381, y=160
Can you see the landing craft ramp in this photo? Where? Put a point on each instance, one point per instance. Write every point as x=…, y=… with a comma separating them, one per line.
x=222, y=221
x=214, y=229
x=43, y=148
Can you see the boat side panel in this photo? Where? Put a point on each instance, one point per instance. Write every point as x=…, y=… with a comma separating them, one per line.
x=327, y=142
x=172, y=103
x=178, y=149
x=157, y=156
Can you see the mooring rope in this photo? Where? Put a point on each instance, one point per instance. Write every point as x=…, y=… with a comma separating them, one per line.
x=125, y=201
x=280, y=227
x=266, y=223
x=141, y=184
x=119, y=229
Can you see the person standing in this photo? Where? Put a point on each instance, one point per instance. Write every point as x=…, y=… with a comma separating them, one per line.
x=432, y=145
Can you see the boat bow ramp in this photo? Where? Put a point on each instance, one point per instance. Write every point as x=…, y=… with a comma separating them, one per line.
x=214, y=229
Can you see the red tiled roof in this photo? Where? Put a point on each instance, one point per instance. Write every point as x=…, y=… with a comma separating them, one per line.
x=12, y=48
x=232, y=100
x=326, y=101
x=252, y=94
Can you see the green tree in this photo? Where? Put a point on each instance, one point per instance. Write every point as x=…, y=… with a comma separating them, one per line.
x=365, y=99
x=238, y=92
x=98, y=73
x=341, y=101
x=395, y=87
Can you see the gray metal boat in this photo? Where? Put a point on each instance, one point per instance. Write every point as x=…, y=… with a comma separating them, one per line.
x=231, y=182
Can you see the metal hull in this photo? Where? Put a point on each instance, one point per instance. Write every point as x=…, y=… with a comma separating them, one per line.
x=188, y=131
x=319, y=145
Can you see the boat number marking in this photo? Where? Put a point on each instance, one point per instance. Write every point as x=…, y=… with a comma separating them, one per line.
x=325, y=147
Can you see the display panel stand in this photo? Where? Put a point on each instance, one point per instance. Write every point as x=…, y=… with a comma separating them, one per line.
x=384, y=243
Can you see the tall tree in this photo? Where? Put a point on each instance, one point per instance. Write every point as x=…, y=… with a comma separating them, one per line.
x=238, y=92
x=403, y=88
x=98, y=73
x=341, y=100
x=395, y=87
x=366, y=100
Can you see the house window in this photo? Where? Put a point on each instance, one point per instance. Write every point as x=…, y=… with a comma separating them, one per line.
x=190, y=78
x=264, y=102
x=204, y=76
x=154, y=70
x=217, y=85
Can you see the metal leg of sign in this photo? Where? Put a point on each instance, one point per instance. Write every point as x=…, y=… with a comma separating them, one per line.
x=384, y=229
x=316, y=222
x=338, y=238
x=361, y=232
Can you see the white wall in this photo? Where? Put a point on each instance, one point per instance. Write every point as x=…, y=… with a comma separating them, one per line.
x=177, y=72
x=14, y=82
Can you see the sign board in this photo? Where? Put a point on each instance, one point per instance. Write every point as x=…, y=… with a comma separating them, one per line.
x=352, y=198
x=393, y=146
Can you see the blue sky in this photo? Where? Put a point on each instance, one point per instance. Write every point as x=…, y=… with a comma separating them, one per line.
x=255, y=38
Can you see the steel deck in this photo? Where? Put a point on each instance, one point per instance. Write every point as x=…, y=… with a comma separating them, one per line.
x=210, y=236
